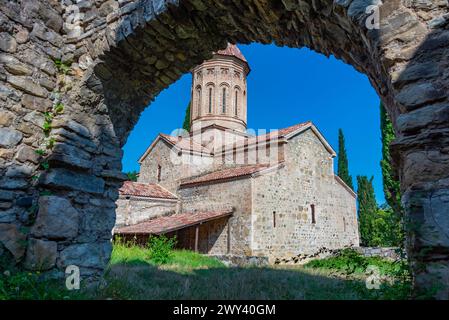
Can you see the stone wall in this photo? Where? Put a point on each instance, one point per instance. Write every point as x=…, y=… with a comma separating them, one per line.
x=121, y=54
x=218, y=196
x=387, y=253
x=173, y=166
x=133, y=210
x=283, y=199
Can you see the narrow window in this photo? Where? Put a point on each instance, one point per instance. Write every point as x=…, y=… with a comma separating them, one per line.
x=274, y=219
x=159, y=173
x=224, y=100
x=344, y=224
x=198, y=107
x=236, y=103
x=312, y=206
x=210, y=100
x=229, y=237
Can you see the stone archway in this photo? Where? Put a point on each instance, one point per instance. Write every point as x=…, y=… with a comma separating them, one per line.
x=62, y=125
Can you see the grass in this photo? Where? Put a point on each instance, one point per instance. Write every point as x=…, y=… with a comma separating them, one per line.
x=132, y=274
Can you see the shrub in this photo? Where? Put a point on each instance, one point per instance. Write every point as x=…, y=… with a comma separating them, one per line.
x=161, y=249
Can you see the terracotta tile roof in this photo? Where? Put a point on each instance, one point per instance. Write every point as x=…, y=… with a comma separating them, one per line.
x=273, y=135
x=233, y=51
x=172, y=223
x=186, y=144
x=149, y=190
x=279, y=133
x=226, y=174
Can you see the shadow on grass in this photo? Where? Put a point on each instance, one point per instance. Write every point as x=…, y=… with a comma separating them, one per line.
x=140, y=280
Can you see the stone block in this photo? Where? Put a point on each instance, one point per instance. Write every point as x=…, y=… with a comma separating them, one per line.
x=9, y=137
x=56, y=219
x=13, y=240
x=67, y=179
x=41, y=255
x=88, y=255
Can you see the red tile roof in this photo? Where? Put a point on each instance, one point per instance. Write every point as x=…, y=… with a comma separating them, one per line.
x=278, y=133
x=149, y=190
x=185, y=143
x=233, y=51
x=226, y=174
x=172, y=223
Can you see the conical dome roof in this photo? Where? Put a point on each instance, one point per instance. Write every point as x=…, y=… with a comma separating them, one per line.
x=233, y=51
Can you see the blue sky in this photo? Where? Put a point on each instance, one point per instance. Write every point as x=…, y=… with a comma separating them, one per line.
x=286, y=86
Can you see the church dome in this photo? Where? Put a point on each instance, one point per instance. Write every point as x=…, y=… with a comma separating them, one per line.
x=219, y=91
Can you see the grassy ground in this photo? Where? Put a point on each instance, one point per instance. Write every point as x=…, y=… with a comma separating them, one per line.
x=132, y=274
x=187, y=275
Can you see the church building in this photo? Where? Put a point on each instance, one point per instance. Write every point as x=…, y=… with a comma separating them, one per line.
x=223, y=189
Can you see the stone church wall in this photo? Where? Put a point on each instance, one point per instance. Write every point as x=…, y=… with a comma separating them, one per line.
x=135, y=210
x=218, y=196
x=173, y=166
x=286, y=196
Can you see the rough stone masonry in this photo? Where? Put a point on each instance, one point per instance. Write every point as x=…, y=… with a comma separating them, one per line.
x=75, y=76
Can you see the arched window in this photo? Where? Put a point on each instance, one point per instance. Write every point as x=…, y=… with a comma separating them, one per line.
x=312, y=207
x=198, y=101
x=210, y=99
x=236, y=103
x=224, y=100
x=159, y=173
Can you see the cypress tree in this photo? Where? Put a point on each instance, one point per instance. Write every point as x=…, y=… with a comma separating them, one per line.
x=186, y=124
x=392, y=187
x=367, y=209
x=343, y=167
x=391, y=184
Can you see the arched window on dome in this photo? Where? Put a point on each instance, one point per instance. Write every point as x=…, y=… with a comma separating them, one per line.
x=224, y=100
x=210, y=98
x=198, y=101
x=236, y=101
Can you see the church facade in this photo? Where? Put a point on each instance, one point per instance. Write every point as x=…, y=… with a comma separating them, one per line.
x=224, y=190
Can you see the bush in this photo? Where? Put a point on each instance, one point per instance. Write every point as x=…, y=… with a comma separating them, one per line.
x=350, y=261
x=161, y=249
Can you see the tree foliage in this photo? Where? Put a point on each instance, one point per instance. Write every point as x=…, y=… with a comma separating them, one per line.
x=378, y=226
x=186, y=124
x=392, y=187
x=367, y=208
x=132, y=176
x=391, y=184
x=343, y=166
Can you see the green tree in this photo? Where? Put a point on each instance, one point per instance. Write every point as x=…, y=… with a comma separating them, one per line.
x=367, y=209
x=132, y=176
x=186, y=124
x=392, y=187
x=343, y=167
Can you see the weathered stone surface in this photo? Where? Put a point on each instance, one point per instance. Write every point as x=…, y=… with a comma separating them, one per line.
x=41, y=255
x=6, y=118
x=27, y=85
x=13, y=240
x=35, y=103
x=56, y=219
x=7, y=43
x=9, y=137
x=26, y=153
x=89, y=255
x=14, y=66
x=66, y=179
